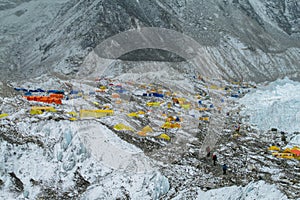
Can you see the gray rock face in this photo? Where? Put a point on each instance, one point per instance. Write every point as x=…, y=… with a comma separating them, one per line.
x=248, y=39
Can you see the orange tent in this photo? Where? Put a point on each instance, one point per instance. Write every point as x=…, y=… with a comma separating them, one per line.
x=60, y=96
x=115, y=95
x=56, y=100
x=295, y=152
x=30, y=98
x=44, y=99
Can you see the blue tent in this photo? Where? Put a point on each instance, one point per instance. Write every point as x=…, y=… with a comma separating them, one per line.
x=121, y=91
x=56, y=91
x=28, y=94
x=40, y=90
x=21, y=89
x=158, y=95
x=33, y=90
x=74, y=92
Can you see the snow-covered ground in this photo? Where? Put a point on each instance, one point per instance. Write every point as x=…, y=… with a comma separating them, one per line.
x=53, y=150
x=113, y=167
x=276, y=105
x=254, y=190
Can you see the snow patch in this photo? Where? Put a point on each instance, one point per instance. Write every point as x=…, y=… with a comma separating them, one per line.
x=254, y=190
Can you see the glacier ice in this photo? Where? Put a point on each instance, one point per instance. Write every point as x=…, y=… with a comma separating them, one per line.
x=274, y=106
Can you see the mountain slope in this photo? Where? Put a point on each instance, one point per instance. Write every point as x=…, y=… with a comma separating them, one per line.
x=249, y=39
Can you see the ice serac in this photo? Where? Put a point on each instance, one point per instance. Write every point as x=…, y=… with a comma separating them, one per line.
x=110, y=168
x=249, y=39
x=274, y=106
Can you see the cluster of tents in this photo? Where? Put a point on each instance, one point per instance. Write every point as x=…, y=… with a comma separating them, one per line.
x=287, y=153
x=28, y=92
x=143, y=132
x=115, y=92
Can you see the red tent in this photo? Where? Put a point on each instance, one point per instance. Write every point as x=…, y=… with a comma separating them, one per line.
x=296, y=152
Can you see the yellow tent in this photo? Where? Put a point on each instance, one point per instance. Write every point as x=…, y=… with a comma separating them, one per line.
x=96, y=103
x=73, y=113
x=167, y=93
x=95, y=113
x=40, y=110
x=186, y=106
x=154, y=104
x=176, y=125
x=49, y=109
x=204, y=118
x=287, y=150
x=73, y=119
x=236, y=135
x=203, y=109
x=136, y=114
x=153, y=90
x=145, y=130
x=3, y=115
x=122, y=127
x=133, y=114
x=274, y=148
x=198, y=97
x=168, y=125
x=140, y=112
x=181, y=100
x=215, y=87
x=141, y=133
x=36, y=112
x=164, y=136
x=283, y=155
x=296, y=147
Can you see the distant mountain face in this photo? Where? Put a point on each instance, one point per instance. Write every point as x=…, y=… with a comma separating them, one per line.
x=246, y=39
